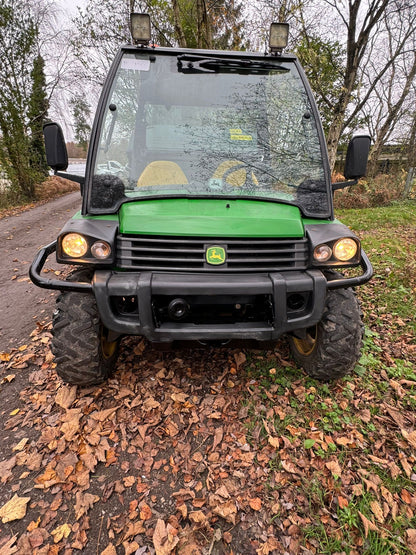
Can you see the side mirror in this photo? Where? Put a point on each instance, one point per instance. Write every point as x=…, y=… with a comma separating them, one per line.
x=55, y=147
x=357, y=157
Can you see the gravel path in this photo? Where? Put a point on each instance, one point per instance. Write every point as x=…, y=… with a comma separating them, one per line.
x=22, y=304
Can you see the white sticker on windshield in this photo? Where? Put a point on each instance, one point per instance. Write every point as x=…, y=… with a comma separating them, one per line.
x=135, y=64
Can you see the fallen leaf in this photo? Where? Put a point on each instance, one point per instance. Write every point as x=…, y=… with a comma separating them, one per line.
x=21, y=445
x=410, y=437
x=15, y=509
x=411, y=539
x=164, y=541
x=227, y=510
x=334, y=467
x=104, y=414
x=198, y=517
x=368, y=525
x=8, y=548
x=378, y=511
x=109, y=550
x=83, y=503
x=255, y=503
x=60, y=532
x=145, y=512
x=273, y=441
x=66, y=396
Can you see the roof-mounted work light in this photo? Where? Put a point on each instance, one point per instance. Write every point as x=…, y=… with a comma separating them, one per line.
x=279, y=36
x=140, y=28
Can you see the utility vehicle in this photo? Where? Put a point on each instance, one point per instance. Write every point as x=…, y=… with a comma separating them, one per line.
x=217, y=224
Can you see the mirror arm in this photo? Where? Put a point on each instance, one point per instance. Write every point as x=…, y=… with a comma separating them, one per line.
x=71, y=177
x=344, y=184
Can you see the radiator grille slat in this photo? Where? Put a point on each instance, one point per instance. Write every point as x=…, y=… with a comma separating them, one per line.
x=137, y=252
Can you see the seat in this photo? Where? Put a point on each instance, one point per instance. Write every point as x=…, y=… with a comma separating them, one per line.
x=162, y=172
x=235, y=173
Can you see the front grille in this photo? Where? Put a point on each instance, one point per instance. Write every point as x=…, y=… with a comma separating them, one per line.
x=138, y=252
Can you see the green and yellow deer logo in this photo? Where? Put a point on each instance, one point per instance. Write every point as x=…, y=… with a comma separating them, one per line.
x=215, y=255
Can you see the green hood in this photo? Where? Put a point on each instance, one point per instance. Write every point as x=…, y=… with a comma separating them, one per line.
x=211, y=218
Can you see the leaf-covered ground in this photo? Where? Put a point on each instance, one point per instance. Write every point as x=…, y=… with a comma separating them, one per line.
x=218, y=451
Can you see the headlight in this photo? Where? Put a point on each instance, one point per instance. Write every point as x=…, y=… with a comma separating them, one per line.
x=322, y=253
x=345, y=249
x=74, y=245
x=101, y=250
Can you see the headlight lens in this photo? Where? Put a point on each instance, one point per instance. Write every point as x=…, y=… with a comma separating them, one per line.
x=322, y=253
x=101, y=250
x=345, y=249
x=74, y=245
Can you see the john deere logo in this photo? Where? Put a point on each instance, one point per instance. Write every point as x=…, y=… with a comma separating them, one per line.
x=215, y=255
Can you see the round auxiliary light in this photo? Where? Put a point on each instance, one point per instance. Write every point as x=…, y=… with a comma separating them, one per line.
x=345, y=249
x=101, y=250
x=322, y=253
x=74, y=245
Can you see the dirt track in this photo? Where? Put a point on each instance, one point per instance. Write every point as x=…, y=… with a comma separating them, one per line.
x=22, y=304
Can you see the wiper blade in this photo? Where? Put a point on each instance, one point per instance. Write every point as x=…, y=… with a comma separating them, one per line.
x=188, y=63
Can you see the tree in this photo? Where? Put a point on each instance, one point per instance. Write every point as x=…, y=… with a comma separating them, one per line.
x=18, y=35
x=323, y=62
x=37, y=112
x=81, y=113
x=104, y=25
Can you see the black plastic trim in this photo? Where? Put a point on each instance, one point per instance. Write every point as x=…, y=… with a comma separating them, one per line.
x=47, y=283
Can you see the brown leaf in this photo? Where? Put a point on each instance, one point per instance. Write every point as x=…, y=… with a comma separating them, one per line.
x=145, y=512
x=406, y=466
x=83, y=503
x=290, y=467
x=410, y=437
x=342, y=502
x=368, y=525
x=240, y=358
x=150, y=404
x=8, y=548
x=65, y=396
x=274, y=442
x=15, y=509
x=411, y=539
x=387, y=495
x=334, y=467
x=102, y=415
x=164, y=538
x=179, y=397
x=109, y=550
x=255, y=503
x=6, y=469
x=198, y=517
x=227, y=510
x=378, y=511
x=218, y=435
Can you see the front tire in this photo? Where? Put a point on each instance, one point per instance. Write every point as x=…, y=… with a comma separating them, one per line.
x=331, y=349
x=83, y=353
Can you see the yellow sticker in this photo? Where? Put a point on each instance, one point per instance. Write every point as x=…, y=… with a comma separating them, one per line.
x=236, y=132
x=241, y=137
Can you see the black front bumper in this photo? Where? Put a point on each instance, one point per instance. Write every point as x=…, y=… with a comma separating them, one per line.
x=145, y=287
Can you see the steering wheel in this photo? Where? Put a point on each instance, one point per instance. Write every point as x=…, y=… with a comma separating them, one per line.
x=236, y=174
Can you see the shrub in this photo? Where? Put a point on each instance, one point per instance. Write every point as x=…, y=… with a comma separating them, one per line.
x=370, y=192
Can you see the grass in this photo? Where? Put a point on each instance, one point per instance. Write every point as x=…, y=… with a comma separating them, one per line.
x=346, y=426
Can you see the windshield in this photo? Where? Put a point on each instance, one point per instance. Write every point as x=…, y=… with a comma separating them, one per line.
x=173, y=128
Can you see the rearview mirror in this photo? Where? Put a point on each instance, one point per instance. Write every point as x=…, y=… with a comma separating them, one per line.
x=55, y=147
x=357, y=157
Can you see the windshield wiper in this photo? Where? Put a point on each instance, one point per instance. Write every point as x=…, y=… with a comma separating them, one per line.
x=188, y=63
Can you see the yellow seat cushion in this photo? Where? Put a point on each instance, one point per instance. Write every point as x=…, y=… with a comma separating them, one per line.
x=162, y=172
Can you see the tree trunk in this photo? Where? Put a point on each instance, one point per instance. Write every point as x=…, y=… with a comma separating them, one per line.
x=179, y=34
